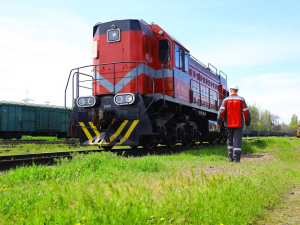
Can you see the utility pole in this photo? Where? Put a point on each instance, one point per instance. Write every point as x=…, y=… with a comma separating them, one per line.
x=27, y=100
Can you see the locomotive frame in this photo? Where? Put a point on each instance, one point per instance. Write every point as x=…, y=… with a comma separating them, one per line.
x=146, y=89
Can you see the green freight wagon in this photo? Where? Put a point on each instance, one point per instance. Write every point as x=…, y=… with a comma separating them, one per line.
x=17, y=119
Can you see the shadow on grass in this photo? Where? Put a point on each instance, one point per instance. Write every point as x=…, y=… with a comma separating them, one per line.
x=252, y=156
x=254, y=146
x=221, y=150
x=200, y=150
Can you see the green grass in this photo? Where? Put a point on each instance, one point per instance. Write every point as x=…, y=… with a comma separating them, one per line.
x=39, y=148
x=198, y=186
x=47, y=138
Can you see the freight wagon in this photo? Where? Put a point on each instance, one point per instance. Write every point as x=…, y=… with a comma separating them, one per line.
x=17, y=119
x=255, y=133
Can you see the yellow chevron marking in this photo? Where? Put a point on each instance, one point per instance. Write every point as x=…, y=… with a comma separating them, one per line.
x=95, y=130
x=87, y=133
x=116, y=134
x=126, y=136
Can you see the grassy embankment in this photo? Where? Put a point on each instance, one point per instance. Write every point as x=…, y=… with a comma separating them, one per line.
x=194, y=187
x=39, y=148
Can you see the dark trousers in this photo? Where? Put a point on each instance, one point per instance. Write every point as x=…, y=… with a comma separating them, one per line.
x=234, y=143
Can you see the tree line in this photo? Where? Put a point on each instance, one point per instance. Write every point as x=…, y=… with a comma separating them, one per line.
x=264, y=120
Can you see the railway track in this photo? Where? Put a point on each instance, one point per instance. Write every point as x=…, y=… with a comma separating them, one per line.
x=12, y=161
x=48, y=158
x=17, y=142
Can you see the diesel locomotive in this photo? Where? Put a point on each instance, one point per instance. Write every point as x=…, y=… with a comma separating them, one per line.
x=144, y=88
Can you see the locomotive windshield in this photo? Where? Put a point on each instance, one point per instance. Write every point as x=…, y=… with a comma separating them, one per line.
x=113, y=35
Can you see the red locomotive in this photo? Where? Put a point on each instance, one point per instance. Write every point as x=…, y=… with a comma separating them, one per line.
x=145, y=89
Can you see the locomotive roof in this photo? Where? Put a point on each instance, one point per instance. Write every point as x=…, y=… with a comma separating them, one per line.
x=128, y=24
x=2, y=102
x=124, y=25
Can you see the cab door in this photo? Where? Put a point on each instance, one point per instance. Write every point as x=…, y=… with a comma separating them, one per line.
x=149, y=57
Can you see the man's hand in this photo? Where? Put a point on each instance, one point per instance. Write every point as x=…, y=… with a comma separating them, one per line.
x=218, y=125
x=247, y=126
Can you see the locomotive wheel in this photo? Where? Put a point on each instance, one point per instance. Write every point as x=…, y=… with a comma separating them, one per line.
x=171, y=142
x=187, y=141
x=149, y=142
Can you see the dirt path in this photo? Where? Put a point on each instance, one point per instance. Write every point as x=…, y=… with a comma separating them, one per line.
x=244, y=157
x=287, y=211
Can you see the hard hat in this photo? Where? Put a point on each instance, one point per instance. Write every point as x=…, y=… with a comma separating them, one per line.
x=234, y=86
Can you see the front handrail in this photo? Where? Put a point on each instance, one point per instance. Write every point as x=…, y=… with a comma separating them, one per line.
x=153, y=87
x=163, y=80
x=77, y=73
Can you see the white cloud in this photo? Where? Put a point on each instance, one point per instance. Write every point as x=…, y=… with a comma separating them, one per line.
x=275, y=92
x=38, y=52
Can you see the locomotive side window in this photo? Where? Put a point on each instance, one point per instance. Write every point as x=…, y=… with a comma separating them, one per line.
x=181, y=59
x=186, y=61
x=178, y=57
x=164, y=51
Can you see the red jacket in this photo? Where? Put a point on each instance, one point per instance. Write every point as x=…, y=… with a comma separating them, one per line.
x=232, y=110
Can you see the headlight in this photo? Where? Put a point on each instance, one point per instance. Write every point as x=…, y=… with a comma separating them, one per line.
x=129, y=98
x=124, y=99
x=81, y=101
x=119, y=99
x=113, y=35
x=86, y=101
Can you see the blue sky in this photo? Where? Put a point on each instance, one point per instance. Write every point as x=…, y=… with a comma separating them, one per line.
x=256, y=43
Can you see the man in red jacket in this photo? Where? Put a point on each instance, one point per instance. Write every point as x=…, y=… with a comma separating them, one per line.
x=232, y=111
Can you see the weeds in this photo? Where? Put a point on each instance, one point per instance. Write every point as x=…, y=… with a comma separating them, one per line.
x=103, y=188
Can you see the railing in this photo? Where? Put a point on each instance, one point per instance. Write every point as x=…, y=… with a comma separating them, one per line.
x=76, y=75
x=202, y=64
x=204, y=95
x=209, y=66
x=163, y=85
x=223, y=77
